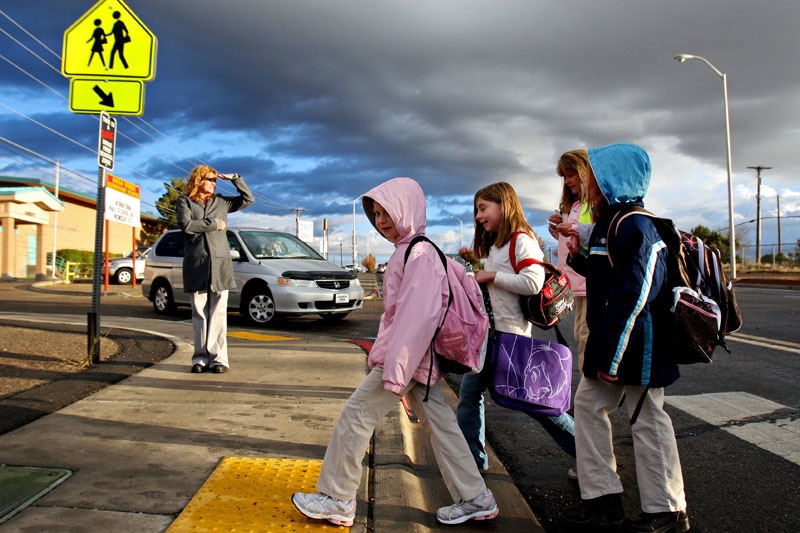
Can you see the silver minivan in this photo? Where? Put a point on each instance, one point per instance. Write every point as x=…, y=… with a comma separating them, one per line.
x=276, y=275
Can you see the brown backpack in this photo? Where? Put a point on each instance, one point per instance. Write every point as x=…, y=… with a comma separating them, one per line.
x=702, y=306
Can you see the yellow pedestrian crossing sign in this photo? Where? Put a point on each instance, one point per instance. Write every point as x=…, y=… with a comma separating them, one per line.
x=109, y=41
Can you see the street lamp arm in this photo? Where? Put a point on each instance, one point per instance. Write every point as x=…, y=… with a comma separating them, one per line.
x=680, y=58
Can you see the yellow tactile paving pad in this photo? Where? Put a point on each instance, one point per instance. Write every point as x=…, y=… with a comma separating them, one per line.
x=260, y=337
x=246, y=494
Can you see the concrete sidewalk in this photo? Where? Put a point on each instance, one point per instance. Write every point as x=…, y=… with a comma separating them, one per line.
x=140, y=450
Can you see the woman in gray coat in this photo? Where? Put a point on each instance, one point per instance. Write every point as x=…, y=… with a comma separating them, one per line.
x=207, y=265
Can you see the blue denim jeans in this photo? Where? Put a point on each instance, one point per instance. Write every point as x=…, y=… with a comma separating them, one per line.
x=471, y=419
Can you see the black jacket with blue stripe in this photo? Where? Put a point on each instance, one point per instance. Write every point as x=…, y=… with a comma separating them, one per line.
x=623, y=302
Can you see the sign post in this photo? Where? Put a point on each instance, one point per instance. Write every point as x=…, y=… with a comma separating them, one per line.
x=106, y=148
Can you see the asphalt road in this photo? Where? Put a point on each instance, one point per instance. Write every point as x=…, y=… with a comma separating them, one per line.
x=733, y=481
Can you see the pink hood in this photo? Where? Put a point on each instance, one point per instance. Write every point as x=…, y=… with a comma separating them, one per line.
x=415, y=296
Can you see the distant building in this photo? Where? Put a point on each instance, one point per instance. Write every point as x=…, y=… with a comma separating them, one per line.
x=29, y=210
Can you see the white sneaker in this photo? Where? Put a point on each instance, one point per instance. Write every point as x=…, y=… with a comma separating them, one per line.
x=322, y=507
x=572, y=473
x=481, y=507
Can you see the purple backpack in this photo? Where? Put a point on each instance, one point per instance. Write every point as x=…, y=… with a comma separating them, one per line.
x=531, y=375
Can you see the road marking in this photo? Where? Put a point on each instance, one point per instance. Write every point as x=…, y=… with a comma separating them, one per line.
x=748, y=417
x=260, y=337
x=783, y=346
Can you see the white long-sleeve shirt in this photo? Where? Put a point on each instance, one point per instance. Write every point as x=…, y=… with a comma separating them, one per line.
x=507, y=287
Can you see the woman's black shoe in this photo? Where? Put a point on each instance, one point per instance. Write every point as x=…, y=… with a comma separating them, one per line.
x=219, y=369
x=590, y=511
x=677, y=521
x=198, y=368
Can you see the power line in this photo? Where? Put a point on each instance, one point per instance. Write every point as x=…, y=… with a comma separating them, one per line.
x=37, y=156
x=32, y=76
x=48, y=128
x=40, y=58
x=15, y=23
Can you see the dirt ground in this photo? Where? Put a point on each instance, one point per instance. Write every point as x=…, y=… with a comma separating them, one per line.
x=30, y=357
x=44, y=367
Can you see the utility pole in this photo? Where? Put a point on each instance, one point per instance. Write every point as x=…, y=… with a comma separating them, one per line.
x=55, y=216
x=780, y=249
x=758, y=170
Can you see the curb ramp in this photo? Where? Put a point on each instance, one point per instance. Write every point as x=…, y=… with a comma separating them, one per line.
x=408, y=487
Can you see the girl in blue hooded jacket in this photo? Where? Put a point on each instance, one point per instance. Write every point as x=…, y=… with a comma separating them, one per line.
x=621, y=359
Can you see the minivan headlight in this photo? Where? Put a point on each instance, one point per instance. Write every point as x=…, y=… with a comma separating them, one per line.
x=305, y=283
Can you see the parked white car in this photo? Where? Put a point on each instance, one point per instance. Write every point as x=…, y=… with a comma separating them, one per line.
x=120, y=269
x=276, y=274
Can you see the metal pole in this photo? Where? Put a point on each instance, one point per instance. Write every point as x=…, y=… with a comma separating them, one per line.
x=680, y=58
x=731, y=226
x=93, y=325
x=55, y=216
x=355, y=253
x=460, y=230
x=758, y=170
x=780, y=248
x=758, y=218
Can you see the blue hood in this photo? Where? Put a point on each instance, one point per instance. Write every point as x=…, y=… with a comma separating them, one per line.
x=622, y=172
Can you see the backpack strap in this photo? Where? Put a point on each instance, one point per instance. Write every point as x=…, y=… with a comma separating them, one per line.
x=415, y=240
x=512, y=255
x=665, y=228
x=421, y=238
x=639, y=404
x=528, y=261
x=617, y=219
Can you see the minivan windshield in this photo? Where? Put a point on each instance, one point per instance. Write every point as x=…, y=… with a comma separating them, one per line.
x=273, y=245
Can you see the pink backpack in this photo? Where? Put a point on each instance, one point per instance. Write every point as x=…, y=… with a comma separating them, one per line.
x=460, y=340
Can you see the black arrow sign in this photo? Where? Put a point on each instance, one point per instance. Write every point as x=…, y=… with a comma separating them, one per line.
x=105, y=99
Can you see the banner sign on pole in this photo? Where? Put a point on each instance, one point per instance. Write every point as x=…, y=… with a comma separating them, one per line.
x=122, y=201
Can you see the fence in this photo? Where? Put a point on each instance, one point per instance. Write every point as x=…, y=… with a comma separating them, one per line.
x=746, y=255
x=69, y=271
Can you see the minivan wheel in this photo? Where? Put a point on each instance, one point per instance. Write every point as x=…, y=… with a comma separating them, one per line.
x=163, y=302
x=123, y=276
x=258, y=307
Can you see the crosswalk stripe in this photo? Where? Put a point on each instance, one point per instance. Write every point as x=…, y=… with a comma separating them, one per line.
x=748, y=417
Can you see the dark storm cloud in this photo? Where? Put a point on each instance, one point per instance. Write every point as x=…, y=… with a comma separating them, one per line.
x=330, y=98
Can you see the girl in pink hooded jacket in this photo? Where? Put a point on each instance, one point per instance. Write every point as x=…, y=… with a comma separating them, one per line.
x=415, y=297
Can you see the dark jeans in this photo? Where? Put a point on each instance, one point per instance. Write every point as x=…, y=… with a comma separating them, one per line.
x=470, y=414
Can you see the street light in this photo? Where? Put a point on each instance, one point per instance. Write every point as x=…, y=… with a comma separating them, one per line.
x=355, y=254
x=680, y=58
x=460, y=230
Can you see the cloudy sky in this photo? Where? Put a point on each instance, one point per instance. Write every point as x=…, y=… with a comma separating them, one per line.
x=315, y=102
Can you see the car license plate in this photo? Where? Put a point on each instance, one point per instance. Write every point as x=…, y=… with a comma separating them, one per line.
x=342, y=297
